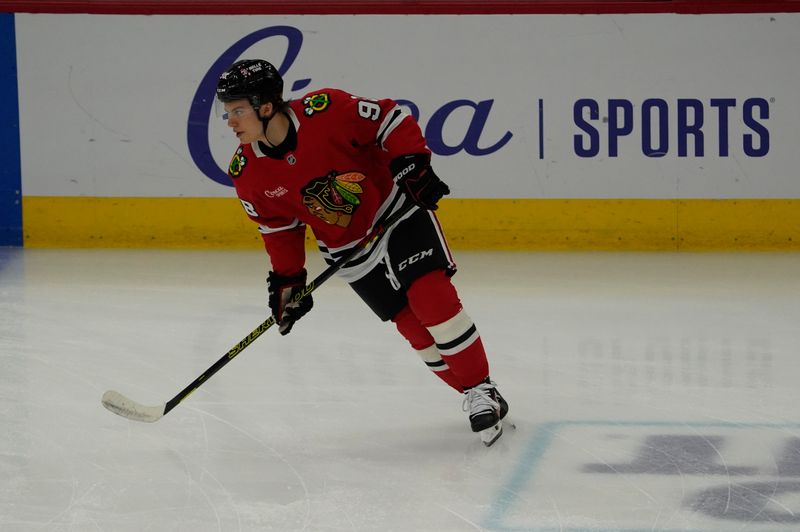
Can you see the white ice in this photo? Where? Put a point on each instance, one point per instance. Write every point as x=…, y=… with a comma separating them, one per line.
x=650, y=392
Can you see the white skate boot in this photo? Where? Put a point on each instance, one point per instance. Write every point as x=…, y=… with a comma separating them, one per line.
x=487, y=408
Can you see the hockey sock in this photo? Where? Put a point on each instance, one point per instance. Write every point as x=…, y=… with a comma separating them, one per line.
x=439, y=367
x=421, y=340
x=434, y=301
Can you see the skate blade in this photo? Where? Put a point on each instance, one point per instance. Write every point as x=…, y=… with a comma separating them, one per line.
x=491, y=435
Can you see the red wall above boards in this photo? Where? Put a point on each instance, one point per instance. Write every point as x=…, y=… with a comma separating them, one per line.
x=236, y=7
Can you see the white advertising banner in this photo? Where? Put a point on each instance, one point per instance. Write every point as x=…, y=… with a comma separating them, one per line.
x=522, y=106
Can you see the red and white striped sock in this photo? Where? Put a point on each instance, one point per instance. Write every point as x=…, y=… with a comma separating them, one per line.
x=434, y=301
x=420, y=339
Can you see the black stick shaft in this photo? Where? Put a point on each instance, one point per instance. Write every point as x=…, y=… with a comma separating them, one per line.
x=373, y=236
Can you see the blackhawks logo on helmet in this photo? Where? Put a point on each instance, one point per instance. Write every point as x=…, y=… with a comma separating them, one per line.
x=335, y=197
x=316, y=103
x=238, y=163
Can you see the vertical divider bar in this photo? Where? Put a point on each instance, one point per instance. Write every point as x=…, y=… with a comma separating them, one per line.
x=10, y=158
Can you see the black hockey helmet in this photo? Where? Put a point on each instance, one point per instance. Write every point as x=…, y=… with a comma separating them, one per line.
x=253, y=79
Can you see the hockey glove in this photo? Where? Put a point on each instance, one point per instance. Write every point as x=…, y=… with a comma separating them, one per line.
x=415, y=177
x=282, y=292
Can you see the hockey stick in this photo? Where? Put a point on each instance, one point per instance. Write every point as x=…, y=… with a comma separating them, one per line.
x=128, y=408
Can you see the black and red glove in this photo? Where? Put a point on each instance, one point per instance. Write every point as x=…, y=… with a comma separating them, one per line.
x=282, y=293
x=415, y=177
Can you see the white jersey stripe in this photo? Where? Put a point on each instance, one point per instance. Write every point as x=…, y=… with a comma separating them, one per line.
x=389, y=124
x=264, y=230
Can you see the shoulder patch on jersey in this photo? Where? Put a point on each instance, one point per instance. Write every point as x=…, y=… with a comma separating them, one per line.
x=316, y=103
x=238, y=163
x=334, y=197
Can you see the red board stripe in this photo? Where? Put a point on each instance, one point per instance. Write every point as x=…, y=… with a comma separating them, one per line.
x=489, y=7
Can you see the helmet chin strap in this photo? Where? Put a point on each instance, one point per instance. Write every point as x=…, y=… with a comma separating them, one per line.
x=265, y=122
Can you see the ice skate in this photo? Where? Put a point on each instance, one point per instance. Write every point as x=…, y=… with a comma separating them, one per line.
x=487, y=408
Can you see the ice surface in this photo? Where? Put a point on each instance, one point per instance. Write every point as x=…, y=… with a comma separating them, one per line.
x=650, y=392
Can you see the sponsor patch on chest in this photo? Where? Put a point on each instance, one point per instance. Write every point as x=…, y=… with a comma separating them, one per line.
x=276, y=192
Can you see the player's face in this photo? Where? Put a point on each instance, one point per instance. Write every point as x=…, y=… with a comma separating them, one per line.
x=243, y=119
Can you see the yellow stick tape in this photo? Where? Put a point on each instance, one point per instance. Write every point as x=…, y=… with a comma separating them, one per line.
x=523, y=224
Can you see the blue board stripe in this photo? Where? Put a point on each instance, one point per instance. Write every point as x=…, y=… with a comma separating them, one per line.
x=10, y=163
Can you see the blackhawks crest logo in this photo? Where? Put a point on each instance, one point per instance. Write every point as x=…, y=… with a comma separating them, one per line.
x=335, y=197
x=238, y=163
x=316, y=103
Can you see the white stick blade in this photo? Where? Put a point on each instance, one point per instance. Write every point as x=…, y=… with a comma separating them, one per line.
x=128, y=408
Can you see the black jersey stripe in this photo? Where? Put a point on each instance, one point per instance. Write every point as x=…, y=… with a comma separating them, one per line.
x=388, y=125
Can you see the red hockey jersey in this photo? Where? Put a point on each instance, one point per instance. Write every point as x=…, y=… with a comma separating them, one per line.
x=336, y=180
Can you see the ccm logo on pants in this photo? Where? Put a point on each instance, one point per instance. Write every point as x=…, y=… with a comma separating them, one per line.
x=414, y=258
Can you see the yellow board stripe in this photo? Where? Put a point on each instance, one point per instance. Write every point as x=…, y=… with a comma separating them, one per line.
x=523, y=224
x=136, y=222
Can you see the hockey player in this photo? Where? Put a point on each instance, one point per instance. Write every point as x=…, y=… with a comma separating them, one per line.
x=342, y=164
